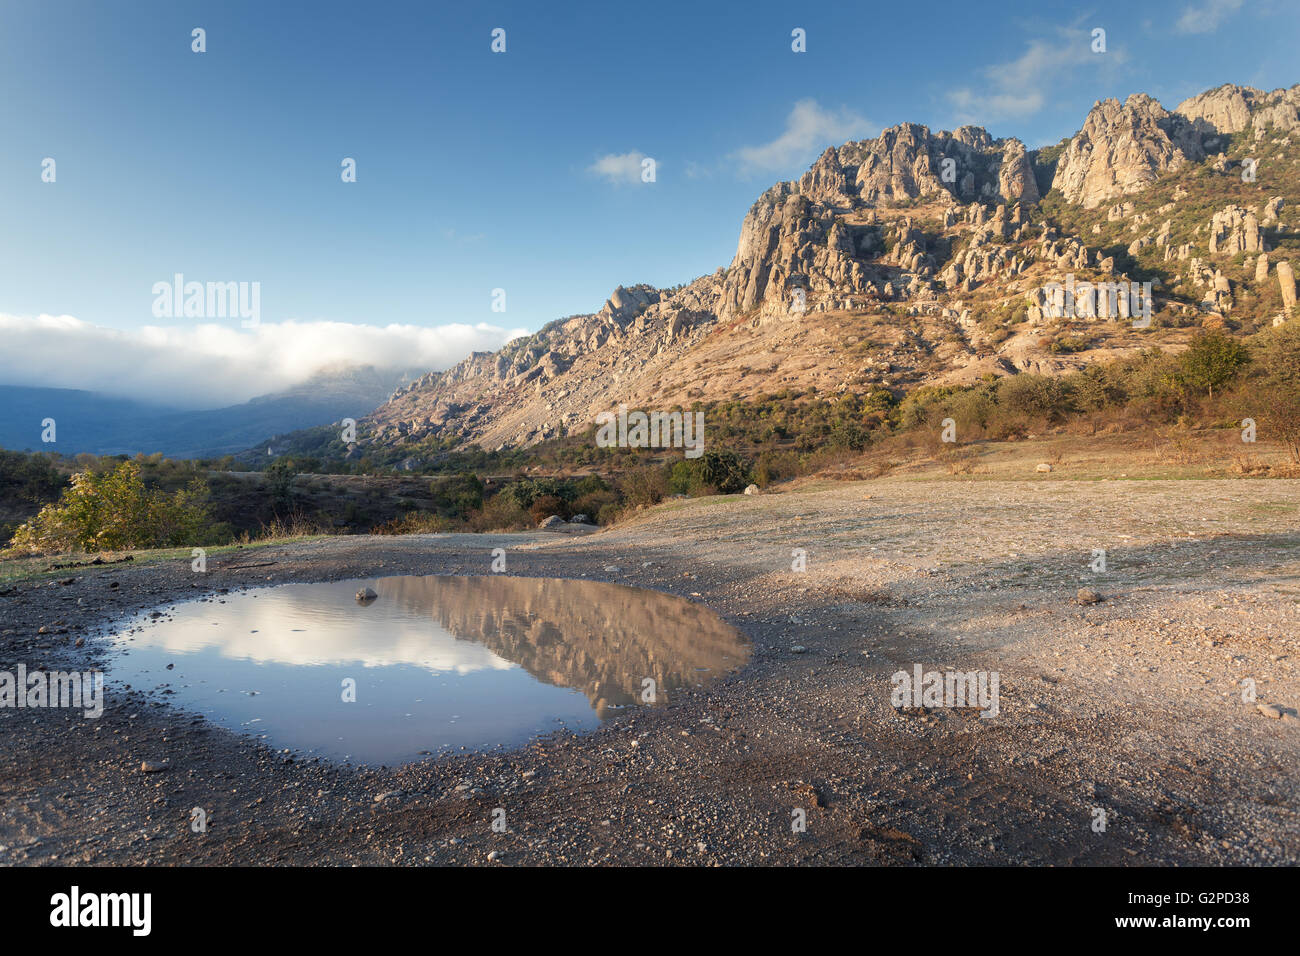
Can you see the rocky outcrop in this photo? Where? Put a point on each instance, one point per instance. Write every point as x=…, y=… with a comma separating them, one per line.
x=1235, y=229
x=1123, y=148
x=789, y=242
x=909, y=162
x=1230, y=109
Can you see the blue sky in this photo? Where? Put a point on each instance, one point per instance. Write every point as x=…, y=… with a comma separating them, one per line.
x=479, y=171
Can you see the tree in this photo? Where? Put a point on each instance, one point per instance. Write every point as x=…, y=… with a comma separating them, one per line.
x=279, y=482
x=1274, y=396
x=1212, y=360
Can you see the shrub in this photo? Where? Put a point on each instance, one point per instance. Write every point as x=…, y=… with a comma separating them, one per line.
x=457, y=495
x=646, y=485
x=501, y=513
x=591, y=503
x=724, y=470
x=114, y=511
x=1034, y=395
x=544, y=506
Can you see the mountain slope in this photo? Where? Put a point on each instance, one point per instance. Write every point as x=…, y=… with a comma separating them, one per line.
x=915, y=258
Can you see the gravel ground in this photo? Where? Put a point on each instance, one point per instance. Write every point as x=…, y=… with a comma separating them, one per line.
x=1129, y=708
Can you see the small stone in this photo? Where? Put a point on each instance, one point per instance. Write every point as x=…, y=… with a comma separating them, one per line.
x=798, y=649
x=153, y=766
x=494, y=856
x=366, y=595
x=1087, y=596
x=1271, y=710
x=381, y=797
x=612, y=569
x=751, y=489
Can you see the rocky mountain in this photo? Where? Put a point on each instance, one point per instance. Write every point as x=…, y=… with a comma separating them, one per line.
x=916, y=258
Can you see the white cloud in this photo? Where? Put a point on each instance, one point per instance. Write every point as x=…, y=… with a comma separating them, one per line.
x=809, y=129
x=1020, y=87
x=1206, y=17
x=619, y=168
x=209, y=366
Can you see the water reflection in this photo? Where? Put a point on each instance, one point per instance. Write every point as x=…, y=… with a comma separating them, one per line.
x=438, y=662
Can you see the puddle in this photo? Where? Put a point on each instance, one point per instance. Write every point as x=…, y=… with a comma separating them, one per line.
x=439, y=663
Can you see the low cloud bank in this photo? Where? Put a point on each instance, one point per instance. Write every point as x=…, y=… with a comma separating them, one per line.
x=210, y=365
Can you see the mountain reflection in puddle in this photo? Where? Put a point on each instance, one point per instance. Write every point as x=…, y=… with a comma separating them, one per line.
x=439, y=662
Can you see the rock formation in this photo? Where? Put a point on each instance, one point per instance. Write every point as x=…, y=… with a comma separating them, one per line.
x=1123, y=148
x=1230, y=109
x=1235, y=230
x=1286, y=281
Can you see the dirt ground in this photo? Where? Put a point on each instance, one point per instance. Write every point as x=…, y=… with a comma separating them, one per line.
x=1130, y=709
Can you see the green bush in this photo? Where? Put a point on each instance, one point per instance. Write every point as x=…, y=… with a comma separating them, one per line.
x=724, y=470
x=1034, y=395
x=113, y=511
x=1212, y=361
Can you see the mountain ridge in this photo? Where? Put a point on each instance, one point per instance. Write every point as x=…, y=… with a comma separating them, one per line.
x=923, y=245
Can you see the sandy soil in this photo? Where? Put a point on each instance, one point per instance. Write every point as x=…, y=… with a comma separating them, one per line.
x=1132, y=706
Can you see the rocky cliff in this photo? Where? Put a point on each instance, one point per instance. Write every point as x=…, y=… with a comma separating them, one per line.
x=919, y=257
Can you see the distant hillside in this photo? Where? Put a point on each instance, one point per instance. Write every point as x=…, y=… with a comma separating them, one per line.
x=106, y=425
